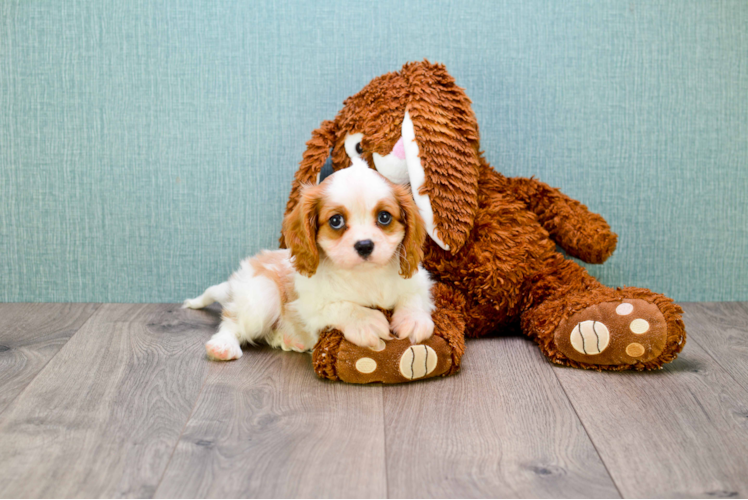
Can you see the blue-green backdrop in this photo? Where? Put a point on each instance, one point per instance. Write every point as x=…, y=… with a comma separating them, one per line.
x=146, y=147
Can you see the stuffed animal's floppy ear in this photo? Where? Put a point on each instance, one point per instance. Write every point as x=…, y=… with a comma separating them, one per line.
x=440, y=137
x=300, y=230
x=316, y=155
x=411, y=253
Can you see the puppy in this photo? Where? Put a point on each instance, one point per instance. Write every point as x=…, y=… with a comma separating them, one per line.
x=354, y=245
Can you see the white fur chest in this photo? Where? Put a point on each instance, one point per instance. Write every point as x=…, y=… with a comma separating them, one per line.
x=377, y=287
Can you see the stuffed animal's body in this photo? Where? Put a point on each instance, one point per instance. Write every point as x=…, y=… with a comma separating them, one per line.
x=492, y=246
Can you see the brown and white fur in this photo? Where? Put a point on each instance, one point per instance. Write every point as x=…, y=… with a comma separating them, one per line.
x=331, y=276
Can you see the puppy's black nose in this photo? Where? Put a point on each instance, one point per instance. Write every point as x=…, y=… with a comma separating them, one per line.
x=364, y=247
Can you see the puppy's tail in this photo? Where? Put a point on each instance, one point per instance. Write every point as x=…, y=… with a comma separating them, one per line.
x=216, y=293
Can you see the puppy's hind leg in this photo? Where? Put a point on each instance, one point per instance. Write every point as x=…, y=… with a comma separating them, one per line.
x=256, y=307
x=216, y=293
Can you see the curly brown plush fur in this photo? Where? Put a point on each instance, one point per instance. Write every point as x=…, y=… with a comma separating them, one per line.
x=502, y=269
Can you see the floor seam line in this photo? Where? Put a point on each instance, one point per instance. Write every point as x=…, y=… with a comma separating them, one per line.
x=181, y=432
x=2, y=410
x=384, y=436
x=584, y=427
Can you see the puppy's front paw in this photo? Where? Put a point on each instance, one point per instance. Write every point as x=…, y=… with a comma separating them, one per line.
x=366, y=330
x=414, y=324
x=223, y=349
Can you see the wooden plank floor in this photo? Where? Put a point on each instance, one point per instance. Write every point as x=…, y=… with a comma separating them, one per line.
x=29, y=336
x=118, y=400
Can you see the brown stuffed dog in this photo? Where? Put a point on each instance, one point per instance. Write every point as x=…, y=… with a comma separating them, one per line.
x=492, y=245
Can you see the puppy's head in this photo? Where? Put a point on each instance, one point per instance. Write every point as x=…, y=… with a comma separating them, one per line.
x=355, y=219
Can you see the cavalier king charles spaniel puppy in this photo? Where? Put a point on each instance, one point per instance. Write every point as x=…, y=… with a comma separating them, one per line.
x=354, y=246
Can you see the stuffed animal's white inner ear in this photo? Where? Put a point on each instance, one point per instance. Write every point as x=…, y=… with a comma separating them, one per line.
x=417, y=177
x=393, y=166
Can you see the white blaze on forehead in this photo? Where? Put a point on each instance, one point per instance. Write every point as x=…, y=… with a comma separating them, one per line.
x=359, y=188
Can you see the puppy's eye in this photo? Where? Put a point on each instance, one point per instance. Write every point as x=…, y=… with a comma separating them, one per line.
x=384, y=218
x=359, y=149
x=336, y=221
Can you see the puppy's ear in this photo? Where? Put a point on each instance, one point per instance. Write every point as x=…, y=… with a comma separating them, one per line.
x=440, y=135
x=411, y=253
x=300, y=230
x=314, y=158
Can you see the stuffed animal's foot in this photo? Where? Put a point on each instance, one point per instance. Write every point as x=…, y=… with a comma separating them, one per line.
x=397, y=360
x=620, y=334
x=392, y=362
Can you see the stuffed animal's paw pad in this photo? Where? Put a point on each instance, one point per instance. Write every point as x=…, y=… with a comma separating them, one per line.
x=590, y=337
x=366, y=365
x=418, y=361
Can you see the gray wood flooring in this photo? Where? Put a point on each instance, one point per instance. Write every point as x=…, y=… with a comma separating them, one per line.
x=118, y=400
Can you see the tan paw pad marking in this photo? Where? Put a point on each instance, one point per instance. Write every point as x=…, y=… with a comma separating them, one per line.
x=639, y=326
x=635, y=350
x=379, y=347
x=366, y=365
x=590, y=337
x=417, y=361
x=624, y=309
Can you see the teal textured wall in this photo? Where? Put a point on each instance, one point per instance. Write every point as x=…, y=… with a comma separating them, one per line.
x=146, y=147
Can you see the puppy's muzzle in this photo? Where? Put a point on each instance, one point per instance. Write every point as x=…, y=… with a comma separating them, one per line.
x=364, y=247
